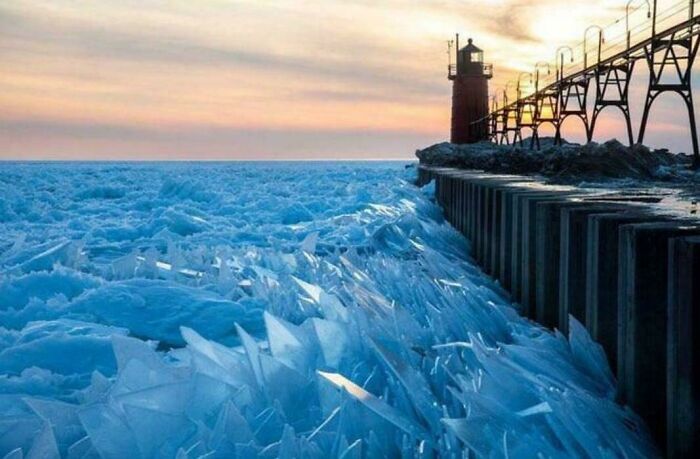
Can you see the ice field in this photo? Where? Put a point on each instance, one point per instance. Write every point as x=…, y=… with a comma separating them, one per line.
x=292, y=310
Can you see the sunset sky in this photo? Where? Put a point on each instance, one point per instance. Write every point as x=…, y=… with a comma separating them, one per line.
x=269, y=79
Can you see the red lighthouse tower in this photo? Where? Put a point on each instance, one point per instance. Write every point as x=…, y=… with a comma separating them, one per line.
x=470, y=94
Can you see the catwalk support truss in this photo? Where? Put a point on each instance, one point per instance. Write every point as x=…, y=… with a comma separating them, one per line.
x=669, y=55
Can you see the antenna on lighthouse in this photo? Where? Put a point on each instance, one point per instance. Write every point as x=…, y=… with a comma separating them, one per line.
x=457, y=53
x=449, y=54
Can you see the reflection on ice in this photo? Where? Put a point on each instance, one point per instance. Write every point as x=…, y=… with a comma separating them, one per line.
x=377, y=406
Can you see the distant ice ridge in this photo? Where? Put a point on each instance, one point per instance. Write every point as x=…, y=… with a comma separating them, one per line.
x=317, y=311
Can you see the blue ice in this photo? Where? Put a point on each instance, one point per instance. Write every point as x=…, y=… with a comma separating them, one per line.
x=292, y=310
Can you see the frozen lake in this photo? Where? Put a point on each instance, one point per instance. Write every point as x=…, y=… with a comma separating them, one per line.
x=289, y=310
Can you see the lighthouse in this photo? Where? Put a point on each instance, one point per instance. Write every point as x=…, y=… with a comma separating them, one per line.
x=470, y=94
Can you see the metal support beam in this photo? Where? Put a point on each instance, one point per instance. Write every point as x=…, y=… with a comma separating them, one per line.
x=612, y=90
x=670, y=53
x=546, y=110
x=573, y=98
x=670, y=60
x=511, y=124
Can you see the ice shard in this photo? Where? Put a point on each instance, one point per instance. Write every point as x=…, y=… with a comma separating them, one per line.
x=377, y=406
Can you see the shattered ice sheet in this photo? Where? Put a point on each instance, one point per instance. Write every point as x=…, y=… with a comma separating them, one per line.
x=293, y=310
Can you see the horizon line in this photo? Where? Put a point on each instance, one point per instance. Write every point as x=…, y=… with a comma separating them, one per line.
x=186, y=160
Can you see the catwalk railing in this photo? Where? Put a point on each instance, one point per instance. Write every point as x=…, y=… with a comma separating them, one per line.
x=667, y=40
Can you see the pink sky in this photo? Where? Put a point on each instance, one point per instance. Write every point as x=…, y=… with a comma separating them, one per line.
x=263, y=79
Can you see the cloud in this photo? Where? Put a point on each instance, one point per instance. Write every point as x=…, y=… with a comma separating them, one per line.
x=22, y=33
x=121, y=77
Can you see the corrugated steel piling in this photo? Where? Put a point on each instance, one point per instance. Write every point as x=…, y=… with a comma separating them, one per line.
x=643, y=311
x=631, y=276
x=683, y=351
x=574, y=249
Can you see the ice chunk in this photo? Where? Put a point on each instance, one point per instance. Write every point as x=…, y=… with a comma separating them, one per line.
x=98, y=388
x=127, y=349
x=18, y=429
x=252, y=352
x=591, y=357
x=137, y=376
x=186, y=190
x=332, y=308
x=45, y=260
x=289, y=344
x=125, y=267
x=416, y=387
x=334, y=342
x=231, y=428
x=62, y=418
x=158, y=433
x=309, y=242
x=217, y=361
x=44, y=446
x=166, y=398
x=292, y=390
x=14, y=454
x=353, y=451
x=265, y=273
x=181, y=223
x=18, y=243
x=470, y=431
x=540, y=408
x=108, y=431
x=288, y=447
x=208, y=396
x=82, y=449
x=376, y=405
x=155, y=309
x=53, y=345
x=314, y=291
x=296, y=213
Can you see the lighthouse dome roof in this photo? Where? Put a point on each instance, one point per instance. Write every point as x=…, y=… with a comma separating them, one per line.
x=471, y=47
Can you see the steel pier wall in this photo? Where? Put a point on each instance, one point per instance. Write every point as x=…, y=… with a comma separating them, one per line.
x=630, y=276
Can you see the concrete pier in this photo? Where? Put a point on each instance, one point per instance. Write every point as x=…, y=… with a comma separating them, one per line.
x=631, y=276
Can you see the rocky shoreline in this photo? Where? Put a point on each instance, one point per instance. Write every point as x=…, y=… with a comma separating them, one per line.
x=565, y=163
